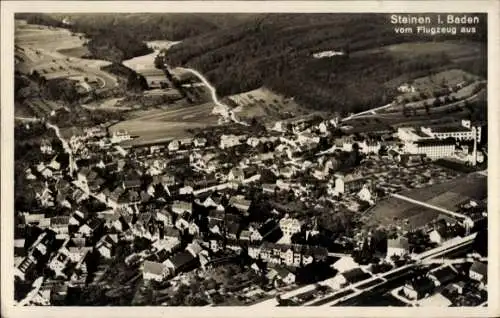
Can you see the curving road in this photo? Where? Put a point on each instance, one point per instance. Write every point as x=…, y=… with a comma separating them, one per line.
x=225, y=110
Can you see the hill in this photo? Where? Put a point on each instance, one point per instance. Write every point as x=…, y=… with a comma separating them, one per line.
x=117, y=37
x=276, y=51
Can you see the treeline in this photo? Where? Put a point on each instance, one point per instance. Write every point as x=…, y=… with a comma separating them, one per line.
x=118, y=37
x=276, y=51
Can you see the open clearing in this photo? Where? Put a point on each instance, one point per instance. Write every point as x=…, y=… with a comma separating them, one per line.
x=173, y=122
x=160, y=45
x=447, y=195
x=450, y=194
x=41, y=48
x=265, y=104
x=141, y=63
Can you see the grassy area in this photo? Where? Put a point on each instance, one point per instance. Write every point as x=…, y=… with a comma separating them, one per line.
x=448, y=195
x=173, y=122
x=80, y=51
x=265, y=104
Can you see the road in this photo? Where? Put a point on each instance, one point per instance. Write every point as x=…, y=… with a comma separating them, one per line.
x=430, y=206
x=223, y=110
x=66, y=146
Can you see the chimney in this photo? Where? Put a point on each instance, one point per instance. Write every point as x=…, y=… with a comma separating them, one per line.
x=474, y=152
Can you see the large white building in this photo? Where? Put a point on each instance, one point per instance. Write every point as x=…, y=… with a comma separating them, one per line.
x=432, y=148
x=465, y=131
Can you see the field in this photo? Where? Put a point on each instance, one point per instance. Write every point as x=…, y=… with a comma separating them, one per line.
x=75, y=51
x=402, y=213
x=141, y=63
x=160, y=45
x=54, y=53
x=265, y=104
x=449, y=195
x=172, y=122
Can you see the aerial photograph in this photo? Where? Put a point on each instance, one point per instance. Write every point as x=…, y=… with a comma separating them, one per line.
x=250, y=159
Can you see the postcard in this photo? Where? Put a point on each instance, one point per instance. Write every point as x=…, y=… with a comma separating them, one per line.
x=260, y=158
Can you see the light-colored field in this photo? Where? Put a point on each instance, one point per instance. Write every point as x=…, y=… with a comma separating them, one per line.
x=173, y=122
x=141, y=63
x=160, y=45
x=448, y=195
x=41, y=48
x=263, y=103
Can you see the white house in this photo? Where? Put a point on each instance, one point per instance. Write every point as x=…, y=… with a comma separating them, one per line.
x=289, y=226
x=398, y=246
x=154, y=271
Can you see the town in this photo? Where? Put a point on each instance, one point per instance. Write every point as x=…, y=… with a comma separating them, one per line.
x=303, y=210
x=250, y=216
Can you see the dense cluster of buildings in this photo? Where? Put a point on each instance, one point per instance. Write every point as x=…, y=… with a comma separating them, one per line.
x=189, y=198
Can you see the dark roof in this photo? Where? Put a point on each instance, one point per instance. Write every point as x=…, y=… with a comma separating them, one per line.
x=480, y=268
x=422, y=286
x=435, y=142
x=181, y=259
x=355, y=275
x=448, y=129
x=444, y=275
x=153, y=267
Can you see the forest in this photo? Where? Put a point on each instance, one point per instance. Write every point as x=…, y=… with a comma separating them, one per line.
x=118, y=37
x=276, y=51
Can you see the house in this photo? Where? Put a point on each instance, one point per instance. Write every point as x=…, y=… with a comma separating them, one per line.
x=179, y=207
x=459, y=287
x=286, y=172
x=228, y=141
x=167, y=244
x=406, y=88
x=236, y=175
x=173, y=145
x=91, y=227
x=245, y=236
x=398, y=246
x=289, y=226
x=349, y=183
x=59, y=224
x=105, y=246
x=46, y=147
x=132, y=183
x=443, y=276
x=181, y=261
x=419, y=289
x=436, y=301
x=345, y=264
x=438, y=235
x=240, y=203
x=432, y=148
x=232, y=230
x=119, y=136
x=200, y=142
x=172, y=233
x=355, y=275
x=194, y=248
x=165, y=216
x=479, y=272
x=154, y=271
